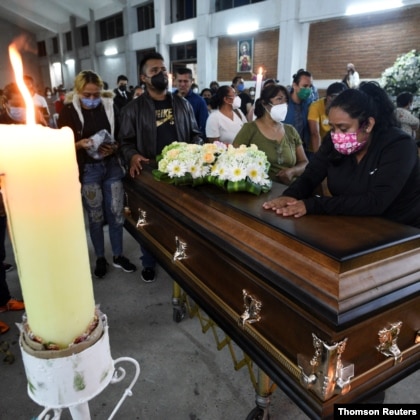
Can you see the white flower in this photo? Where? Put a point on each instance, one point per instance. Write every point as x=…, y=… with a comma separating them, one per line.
x=216, y=159
x=176, y=169
x=404, y=75
x=237, y=173
x=255, y=173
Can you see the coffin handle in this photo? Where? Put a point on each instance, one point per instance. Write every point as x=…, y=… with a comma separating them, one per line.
x=252, y=309
x=180, y=251
x=388, y=341
x=141, y=221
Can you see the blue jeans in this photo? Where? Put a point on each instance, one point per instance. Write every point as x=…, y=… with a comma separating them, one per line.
x=103, y=200
x=148, y=259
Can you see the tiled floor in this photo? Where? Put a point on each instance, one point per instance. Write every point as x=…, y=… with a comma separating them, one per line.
x=183, y=376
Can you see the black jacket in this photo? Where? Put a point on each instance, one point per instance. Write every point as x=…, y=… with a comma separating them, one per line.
x=105, y=116
x=119, y=100
x=138, y=126
x=386, y=182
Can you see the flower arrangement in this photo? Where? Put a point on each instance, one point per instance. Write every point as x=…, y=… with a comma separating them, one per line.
x=404, y=76
x=234, y=169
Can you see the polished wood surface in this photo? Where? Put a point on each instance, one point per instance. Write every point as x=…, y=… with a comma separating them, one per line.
x=336, y=277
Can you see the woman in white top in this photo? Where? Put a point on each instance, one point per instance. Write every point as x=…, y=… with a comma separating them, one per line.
x=227, y=119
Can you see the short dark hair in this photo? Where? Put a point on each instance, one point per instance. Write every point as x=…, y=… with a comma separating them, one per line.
x=206, y=90
x=28, y=78
x=122, y=77
x=184, y=70
x=300, y=73
x=149, y=56
x=404, y=98
x=236, y=80
x=336, y=88
x=267, y=93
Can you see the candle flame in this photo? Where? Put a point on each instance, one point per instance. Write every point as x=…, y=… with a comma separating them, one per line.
x=260, y=70
x=16, y=61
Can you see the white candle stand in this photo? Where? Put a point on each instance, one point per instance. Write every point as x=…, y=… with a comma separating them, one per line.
x=70, y=381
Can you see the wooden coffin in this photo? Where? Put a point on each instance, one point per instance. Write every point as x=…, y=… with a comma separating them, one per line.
x=349, y=283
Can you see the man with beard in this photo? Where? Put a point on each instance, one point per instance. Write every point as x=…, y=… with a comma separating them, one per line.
x=154, y=120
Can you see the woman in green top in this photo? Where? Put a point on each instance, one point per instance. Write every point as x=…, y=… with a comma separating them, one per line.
x=280, y=142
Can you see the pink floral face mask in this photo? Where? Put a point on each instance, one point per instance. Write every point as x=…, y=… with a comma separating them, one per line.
x=346, y=143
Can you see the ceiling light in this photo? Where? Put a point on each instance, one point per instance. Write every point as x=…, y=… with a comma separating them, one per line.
x=376, y=6
x=182, y=37
x=240, y=28
x=111, y=51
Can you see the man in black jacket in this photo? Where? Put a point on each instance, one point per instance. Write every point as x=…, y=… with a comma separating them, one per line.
x=151, y=122
x=122, y=95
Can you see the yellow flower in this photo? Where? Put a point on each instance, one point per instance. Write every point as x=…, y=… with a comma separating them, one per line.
x=208, y=157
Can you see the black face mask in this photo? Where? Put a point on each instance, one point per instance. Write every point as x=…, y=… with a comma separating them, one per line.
x=123, y=88
x=159, y=81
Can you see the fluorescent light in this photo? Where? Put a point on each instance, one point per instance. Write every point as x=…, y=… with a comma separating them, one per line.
x=239, y=28
x=70, y=62
x=376, y=6
x=111, y=51
x=182, y=37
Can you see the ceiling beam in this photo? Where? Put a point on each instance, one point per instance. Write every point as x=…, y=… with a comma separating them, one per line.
x=22, y=14
x=75, y=8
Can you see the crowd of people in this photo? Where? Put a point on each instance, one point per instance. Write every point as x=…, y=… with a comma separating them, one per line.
x=354, y=139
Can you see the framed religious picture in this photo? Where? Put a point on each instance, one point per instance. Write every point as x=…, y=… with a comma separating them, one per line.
x=245, y=55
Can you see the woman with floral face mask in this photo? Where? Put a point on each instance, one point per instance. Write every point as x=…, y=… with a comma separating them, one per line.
x=280, y=142
x=371, y=165
x=88, y=111
x=227, y=119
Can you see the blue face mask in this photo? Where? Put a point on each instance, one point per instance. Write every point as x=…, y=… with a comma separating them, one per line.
x=17, y=113
x=90, y=103
x=241, y=87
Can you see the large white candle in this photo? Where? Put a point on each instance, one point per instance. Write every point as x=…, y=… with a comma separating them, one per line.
x=258, y=85
x=43, y=203
x=170, y=82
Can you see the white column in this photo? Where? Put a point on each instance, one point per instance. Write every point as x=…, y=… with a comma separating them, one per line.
x=293, y=43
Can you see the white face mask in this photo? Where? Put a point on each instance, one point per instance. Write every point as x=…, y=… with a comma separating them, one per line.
x=195, y=90
x=236, y=102
x=278, y=112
